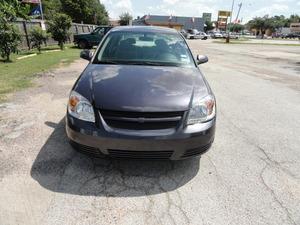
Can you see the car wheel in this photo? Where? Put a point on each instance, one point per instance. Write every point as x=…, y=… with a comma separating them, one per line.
x=83, y=44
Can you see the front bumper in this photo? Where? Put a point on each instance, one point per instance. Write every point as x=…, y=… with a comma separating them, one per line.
x=171, y=144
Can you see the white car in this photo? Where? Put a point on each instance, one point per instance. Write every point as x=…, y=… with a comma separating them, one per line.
x=195, y=34
x=216, y=35
x=203, y=36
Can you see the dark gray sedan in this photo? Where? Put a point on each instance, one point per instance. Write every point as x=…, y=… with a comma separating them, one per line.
x=142, y=96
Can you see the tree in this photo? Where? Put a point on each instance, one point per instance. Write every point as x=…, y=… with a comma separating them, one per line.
x=125, y=18
x=10, y=36
x=59, y=28
x=10, y=10
x=209, y=26
x=50, y=7
x=86, y=11
x=38, y=37
x=236, y=27
x=294, y=18
x=261, y=24
x=280, y=21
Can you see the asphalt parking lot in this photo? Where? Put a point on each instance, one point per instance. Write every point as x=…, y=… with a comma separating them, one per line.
x=251, y=175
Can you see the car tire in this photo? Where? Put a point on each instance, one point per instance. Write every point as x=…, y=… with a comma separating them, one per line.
x=83, y=44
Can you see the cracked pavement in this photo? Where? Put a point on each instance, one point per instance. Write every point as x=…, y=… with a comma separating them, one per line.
x=251, y=175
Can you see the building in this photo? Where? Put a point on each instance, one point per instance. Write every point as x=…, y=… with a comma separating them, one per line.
x=113, y=22
x=295, y=27
x=206, y=17
x=176, y=22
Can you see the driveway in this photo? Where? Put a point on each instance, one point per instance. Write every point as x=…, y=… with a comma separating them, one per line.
x=251, y=175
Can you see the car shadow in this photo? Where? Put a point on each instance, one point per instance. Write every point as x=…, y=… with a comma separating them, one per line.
x=59, y=168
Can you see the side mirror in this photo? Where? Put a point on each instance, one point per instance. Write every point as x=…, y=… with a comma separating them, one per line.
x=86, y=54
x=202, y=59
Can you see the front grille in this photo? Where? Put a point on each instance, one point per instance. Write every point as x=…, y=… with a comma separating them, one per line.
x=87, y=149
x=196, y=151
x=157, y=155
x=141, y=120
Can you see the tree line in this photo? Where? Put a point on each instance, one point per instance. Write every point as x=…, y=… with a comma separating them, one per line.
x=86, y=11
x=262, y=24
x=59, y=15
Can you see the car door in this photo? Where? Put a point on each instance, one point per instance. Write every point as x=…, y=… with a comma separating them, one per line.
x=97, y=35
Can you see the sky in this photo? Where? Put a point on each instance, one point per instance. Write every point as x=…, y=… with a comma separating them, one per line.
x=195, y=8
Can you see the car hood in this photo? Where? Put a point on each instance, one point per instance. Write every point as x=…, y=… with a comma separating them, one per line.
x=141, y=88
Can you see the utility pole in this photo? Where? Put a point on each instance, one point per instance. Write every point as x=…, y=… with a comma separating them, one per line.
x=238, y=14
x=41, y=8
x=228, y=36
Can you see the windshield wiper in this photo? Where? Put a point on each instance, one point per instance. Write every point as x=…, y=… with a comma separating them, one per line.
x=107, y=62
x=154, y=63
x=126, y=62
x=146, y=63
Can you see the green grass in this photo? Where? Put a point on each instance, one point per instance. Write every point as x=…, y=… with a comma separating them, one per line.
x=18, y=74
x=241, y=39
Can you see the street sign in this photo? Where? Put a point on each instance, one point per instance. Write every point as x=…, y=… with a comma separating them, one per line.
x=206, y=17
x=224, y=14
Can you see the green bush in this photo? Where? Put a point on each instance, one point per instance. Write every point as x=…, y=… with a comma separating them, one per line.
x=38, y=37
x=10, y=38
x=9, y=35
x=59, y=28
x=125, y=19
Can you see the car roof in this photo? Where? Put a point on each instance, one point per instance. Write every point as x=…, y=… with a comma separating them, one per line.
x=103, y=26
x=154, y=29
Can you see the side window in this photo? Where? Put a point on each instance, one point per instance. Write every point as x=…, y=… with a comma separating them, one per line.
x=96, y=30
x=101, y=31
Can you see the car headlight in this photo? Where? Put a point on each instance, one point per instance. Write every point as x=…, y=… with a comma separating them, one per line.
x=80, y=107
x=202, y=111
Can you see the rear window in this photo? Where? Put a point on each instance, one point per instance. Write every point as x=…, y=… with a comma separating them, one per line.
x=145, y=48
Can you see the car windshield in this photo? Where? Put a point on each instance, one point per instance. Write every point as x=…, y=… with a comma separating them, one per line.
x=144, y=48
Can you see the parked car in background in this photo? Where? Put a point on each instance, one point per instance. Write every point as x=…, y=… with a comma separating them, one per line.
x=233, y=35
x=276, y=35
x=215, y=35
x=142, y=96
x=88, y=40
x=291, y=36
x=204, y=36
x=224, y=34
x=185, y=34
x=195, y=34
